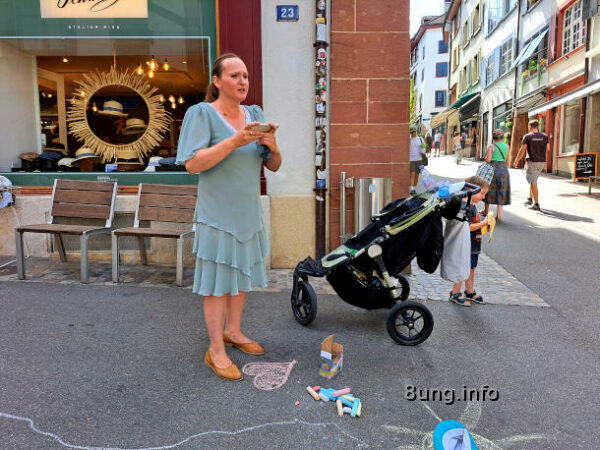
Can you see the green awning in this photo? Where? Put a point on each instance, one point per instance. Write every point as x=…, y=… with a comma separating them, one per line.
x=461, y=101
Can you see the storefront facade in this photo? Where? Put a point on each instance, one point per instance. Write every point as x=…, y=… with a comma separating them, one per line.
x=36, y=99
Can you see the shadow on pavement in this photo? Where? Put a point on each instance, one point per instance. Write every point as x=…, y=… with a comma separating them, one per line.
x=564, y=216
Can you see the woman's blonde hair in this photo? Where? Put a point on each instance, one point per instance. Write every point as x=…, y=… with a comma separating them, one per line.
x=212, y=93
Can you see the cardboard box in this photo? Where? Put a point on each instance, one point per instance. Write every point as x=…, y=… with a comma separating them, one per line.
x=332, y=358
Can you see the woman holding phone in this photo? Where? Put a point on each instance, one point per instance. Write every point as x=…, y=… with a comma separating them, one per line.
x=220, y=140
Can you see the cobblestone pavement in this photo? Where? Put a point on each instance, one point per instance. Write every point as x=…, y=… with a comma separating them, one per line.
x=492, y=281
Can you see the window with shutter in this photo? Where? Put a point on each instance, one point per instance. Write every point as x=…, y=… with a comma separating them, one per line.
x=483, y=72
x=573, y=28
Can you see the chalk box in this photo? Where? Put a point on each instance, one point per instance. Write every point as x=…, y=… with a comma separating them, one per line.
x=332, y=358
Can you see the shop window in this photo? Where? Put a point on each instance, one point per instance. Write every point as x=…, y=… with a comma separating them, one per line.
x=571, y=127
x=501, y=115
x=573, y=28
x=442, y=47
x=441, y=69
x=440, y=99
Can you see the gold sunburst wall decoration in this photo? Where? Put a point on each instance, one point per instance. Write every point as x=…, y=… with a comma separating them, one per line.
x=159, y=120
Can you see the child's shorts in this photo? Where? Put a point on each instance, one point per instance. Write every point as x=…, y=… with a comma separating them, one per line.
x=474, y=260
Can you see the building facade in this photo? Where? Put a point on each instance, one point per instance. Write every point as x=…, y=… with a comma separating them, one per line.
x=429, y=71
x=336, y=111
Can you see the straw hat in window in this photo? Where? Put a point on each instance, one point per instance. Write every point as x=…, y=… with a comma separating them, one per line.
x=84, y=153
x=134, y=126
x=112, y=108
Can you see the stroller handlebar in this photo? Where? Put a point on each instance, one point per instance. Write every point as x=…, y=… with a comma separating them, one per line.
x=467, y=191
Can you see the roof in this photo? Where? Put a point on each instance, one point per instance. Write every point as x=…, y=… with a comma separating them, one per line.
x=452, y=10
x=427, y=23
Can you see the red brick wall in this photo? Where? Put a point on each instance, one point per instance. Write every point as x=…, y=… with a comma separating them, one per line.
x=370, y=57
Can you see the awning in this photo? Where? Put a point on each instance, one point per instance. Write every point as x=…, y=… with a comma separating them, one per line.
x=464, y=99
x=530, y=101
x=470, y=108
x=529, y=49
x=581, y=92
x=440, y=118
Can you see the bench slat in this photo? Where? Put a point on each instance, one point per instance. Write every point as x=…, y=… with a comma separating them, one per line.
x=56, y=228
x=80, y=210
x=166, y=214
x=83, y=197
x=184, y=189
x=168, y=201
x=82, y=185
x=149, y=232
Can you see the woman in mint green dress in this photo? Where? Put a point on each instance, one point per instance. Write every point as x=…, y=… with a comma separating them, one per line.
x=216, y=142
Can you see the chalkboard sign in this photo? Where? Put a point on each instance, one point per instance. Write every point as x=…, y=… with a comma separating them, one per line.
x=585, y=165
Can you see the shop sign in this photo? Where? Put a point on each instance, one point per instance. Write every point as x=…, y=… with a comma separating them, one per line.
x=93, y=9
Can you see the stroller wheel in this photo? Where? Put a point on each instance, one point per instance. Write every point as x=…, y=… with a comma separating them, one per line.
x=305, y=306
x=405, y=286
x=409, y=323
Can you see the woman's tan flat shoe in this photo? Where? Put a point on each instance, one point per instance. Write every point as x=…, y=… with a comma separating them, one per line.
x=252, y=348
x=231, y=373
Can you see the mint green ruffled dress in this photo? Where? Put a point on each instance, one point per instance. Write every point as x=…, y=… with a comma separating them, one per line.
x=230, y=243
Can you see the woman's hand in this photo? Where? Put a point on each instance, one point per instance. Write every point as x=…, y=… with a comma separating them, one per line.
x=269, y=140
x=246, y=136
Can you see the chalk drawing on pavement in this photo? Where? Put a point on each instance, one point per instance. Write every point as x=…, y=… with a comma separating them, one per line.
x=324, y=426
x=470, y=419
x=269, y=376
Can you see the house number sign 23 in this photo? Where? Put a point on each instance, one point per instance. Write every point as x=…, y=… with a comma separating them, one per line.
x=287, y=13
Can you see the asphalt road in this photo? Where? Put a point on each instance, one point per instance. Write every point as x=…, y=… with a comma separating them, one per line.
x=121, y=367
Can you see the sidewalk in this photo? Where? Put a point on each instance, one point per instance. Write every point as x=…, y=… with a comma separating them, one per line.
x=564, y=203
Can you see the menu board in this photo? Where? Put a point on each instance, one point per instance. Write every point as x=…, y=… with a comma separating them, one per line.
x=585, y=165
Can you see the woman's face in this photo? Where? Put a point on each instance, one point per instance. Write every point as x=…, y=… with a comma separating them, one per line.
x=233, y=82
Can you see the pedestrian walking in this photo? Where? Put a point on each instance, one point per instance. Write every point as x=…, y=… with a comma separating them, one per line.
x=499, y=192
x=457, y=144
x=218, y=142
x=475, y=226
x=535, y=145
x=428, y=143
x=437, y=140
x=416, y=159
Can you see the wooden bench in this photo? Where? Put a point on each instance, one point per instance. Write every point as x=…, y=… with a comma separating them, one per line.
x=78, y=200
x=161, y=203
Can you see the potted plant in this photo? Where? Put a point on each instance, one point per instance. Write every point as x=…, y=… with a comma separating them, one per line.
x=532, y=67
x=525, y=73
x=543, y=62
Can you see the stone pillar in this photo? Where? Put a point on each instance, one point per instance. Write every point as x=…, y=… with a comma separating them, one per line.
x=370, y=48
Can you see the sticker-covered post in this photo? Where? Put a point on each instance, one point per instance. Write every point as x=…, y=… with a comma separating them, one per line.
x=321, y=89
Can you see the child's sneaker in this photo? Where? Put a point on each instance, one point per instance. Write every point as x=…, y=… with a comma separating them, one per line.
x=474, y=297
x=528, y=202
x=456, y=298
x=535, y=207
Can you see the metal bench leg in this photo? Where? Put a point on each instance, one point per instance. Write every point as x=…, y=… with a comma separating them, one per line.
x=60, y=246
x=589, y=186
x=142, y=250
x=115, y=258
x=179, y=269
x=84, y=258
x=20, y=255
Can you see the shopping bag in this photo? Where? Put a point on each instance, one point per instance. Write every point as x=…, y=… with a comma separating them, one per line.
x=486, y=171
x=456, y=259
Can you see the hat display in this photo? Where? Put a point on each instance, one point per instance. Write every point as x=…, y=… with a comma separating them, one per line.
x=29, y=156
x=51, y=156
x=56, y=147
x=153, y=164
x=127, y=155
x=452, y=435
x=134, y=126
x=83, y=153
x=67, y=162
x=112, y=108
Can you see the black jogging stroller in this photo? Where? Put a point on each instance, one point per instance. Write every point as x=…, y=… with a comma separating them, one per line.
x=365, y=271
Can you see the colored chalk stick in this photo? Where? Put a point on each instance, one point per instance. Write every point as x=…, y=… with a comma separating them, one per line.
x=342, y=392
x=324, y=396
x=347, y=410
x=340, y=410
x=350, y=398
x=359, y=408
x=347, y=402
x=316, y=388
x=355, y=408
x=312, y=393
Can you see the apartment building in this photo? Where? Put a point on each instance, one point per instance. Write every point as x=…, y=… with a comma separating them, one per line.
x=429, y=71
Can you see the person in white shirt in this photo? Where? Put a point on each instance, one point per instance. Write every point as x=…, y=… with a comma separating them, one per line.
x=437, y=139
x=415, y=159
